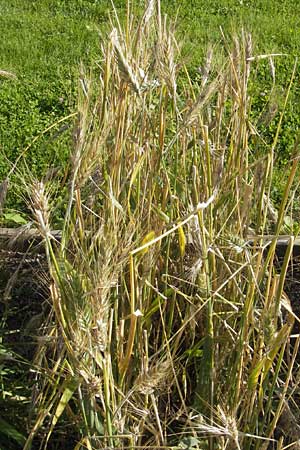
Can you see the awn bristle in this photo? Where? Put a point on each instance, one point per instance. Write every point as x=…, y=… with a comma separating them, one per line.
x=166, y=66
x=248, y=51
x=149, y=11
x=127, y=73
x=222, y=425
x=201, y=101
x=153, y=378
x=40, y=207
x=206, y=69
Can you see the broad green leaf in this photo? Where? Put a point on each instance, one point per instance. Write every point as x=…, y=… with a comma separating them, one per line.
x=136, y=170
x=68, y=389
x=279, y=340
x=15, y=218
x=266, y=363
x=254, y=375
x=188, y=442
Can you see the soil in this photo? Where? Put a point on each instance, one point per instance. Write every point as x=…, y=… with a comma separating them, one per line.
x=24, y=303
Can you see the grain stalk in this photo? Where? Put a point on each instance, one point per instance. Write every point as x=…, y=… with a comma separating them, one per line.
x=154, y=280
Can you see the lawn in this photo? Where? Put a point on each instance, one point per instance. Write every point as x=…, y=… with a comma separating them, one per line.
x=45, y=43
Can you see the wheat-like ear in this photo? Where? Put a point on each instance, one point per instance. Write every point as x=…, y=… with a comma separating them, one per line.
x=205, y=70
x=219, y=425
x=154, y=378
x=146, y=383
x=127, y=73
x=149, y=12
x=248, y=54
x=201, y=101
x=165, y=57
x=39, y=204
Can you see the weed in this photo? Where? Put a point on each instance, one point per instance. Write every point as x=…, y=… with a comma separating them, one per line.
x=166, y=326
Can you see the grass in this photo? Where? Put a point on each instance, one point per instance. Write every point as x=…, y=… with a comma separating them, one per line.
x=166, y=327
x=46, y=41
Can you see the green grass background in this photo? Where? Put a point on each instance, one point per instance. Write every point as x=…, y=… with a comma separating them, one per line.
x=45, y=41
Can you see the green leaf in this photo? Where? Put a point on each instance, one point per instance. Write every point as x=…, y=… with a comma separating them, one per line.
x=11, y=432
x=188, y=443
x=68, y=389
x=254, y=375
x=15, y=218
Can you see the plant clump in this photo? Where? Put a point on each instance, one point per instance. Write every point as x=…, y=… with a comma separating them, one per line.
x=169, y=324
